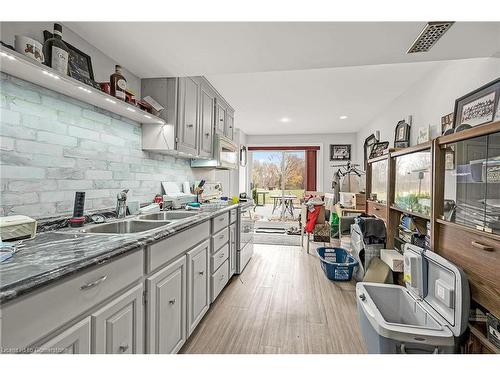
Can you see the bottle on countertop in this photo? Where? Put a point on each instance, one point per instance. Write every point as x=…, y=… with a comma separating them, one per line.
x=118, y=84
x=56, y=52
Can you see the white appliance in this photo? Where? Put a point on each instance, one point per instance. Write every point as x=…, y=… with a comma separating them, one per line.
x=226, y=155
x=245, y=237
x=172, y=193
x=17, y=227
x=427, y=315
x=211, y=191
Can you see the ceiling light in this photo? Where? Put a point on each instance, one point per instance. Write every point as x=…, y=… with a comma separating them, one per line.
x=285, y=119
x=343, y=117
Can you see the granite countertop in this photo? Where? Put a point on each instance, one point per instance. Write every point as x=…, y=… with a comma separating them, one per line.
x=51, y=256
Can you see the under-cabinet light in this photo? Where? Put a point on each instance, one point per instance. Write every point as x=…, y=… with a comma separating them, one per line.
x=147, y=116
x=111, y=101
x=130, y=109
x=343, y=117
x=84, y=89
x=10, y=57
x=50, y=74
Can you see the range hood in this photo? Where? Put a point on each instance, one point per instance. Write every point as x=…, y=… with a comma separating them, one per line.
x=225, y=155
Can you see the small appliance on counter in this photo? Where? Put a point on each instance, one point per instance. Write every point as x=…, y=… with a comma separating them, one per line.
x=211, y=191
x=17, y=227
x=78, y=219
x=172, y=193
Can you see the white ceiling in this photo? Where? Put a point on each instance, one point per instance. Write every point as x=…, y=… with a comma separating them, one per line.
x=311, y=73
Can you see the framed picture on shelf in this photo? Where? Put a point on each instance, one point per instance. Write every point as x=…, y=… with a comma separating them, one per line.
x=378, y=149
x=447, y=124
x=424, y=134
x=402, y=135
x=79, y=64
x=340, y=152
x=449, y=158
x=367, y=147
x=478, y=107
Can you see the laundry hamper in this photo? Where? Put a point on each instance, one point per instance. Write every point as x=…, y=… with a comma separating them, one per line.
x=337, y=263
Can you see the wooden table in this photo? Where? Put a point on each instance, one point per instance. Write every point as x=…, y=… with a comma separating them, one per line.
x=286, y=200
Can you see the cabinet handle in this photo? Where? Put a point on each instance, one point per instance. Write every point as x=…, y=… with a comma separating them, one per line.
x=201, y=272
x=222, y=255
x=123, y=348
x=479, y=245
x=207, y=135
x=189, y=125
x=94, y=283
x=221, y=219
x=376, y=208
x=172, y=301
x=221, y=277
x=221, y=237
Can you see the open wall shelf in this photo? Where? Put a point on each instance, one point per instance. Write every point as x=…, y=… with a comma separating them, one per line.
x=19, y=66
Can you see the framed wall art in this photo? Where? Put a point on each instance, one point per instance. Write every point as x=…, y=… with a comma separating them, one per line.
x=378, y=149
x=402, y=135
x=478, y=107
x=340, y=152
x=447, y=124
x=367, y=147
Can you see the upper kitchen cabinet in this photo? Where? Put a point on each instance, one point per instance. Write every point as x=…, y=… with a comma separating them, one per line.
x=188, y=125
x=220, y=124
x=207, y=118
x=229, y=131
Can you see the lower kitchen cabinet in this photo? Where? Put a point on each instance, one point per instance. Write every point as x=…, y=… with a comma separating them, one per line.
x=118, y=326
x=74, y=340
x=166, y=308
x=232, y=249
x=198, y=300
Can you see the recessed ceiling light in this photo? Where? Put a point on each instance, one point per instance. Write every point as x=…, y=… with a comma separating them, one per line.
x=343, y=117
x=285, y=119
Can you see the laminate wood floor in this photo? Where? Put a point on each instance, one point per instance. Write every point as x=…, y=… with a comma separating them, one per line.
x=282, y=303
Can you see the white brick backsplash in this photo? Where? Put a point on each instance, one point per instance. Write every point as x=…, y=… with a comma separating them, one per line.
x=31, y=147
x=11, y=171
x=76, y=131
x=98, y=175
x=52, y=146
x=57, y=139
x=10, y=199
x=9, y=117
x=74, y=184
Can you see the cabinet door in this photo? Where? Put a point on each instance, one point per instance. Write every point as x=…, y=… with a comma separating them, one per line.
x=229, y=131
x=166, y=306
x=187, y=135
x=232, y=249
x=74, y=340
x=198, y=300
x=118, y=326
x=220, y=125
x=207, y=119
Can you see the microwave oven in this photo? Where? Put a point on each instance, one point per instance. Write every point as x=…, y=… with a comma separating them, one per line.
x=226, y=155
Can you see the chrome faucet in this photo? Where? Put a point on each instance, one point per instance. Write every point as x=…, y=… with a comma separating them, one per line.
x=121, y=204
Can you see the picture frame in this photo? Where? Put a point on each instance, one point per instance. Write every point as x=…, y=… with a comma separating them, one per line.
x=367, y=147
x=402, y=135
x=424, y=134
x=79, y=64
x=447, y=125
x=378, y=149
x=340, y=152
x=478, y=107
x=449, y=158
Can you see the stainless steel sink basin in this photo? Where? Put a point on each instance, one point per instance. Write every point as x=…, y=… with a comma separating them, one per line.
x=125, y=227
x=167, y=215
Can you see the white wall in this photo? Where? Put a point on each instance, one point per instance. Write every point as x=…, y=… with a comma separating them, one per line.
x=326, y=168
x=103, y=66
x=431, y=98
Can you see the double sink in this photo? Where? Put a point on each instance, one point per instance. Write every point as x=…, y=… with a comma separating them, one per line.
x=140, y=224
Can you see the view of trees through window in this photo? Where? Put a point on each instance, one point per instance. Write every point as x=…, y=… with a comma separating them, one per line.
x=268, y=171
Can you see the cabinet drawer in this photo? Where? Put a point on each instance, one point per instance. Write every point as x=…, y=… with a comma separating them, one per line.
x=33, y=317
x=164, y=251
x=479, y=256
x=377, y=209
x=219, y=257
x=219, y=280
x=220, y=239
x=220, y=222
x=233, y=215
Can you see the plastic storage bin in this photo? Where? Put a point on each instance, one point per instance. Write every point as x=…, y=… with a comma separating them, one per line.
x=337, y=263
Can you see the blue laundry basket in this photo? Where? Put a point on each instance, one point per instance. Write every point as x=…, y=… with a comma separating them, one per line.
x=337, y=263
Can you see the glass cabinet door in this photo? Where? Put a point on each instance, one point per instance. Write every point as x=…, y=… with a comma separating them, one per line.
x=413, y=176
x=379, y=181
x=465, y=188
x=492, y=181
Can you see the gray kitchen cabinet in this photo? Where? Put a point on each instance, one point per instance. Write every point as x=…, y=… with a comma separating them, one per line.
x=229, y=129
x=207, y=119
x=198, y=289
x=220, y=121
x=73, y=340
x=188, y=125
x=118, y=326
x=166, y=308
x=232, y=249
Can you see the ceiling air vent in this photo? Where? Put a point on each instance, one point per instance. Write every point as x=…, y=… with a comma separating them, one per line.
x=429, y=36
